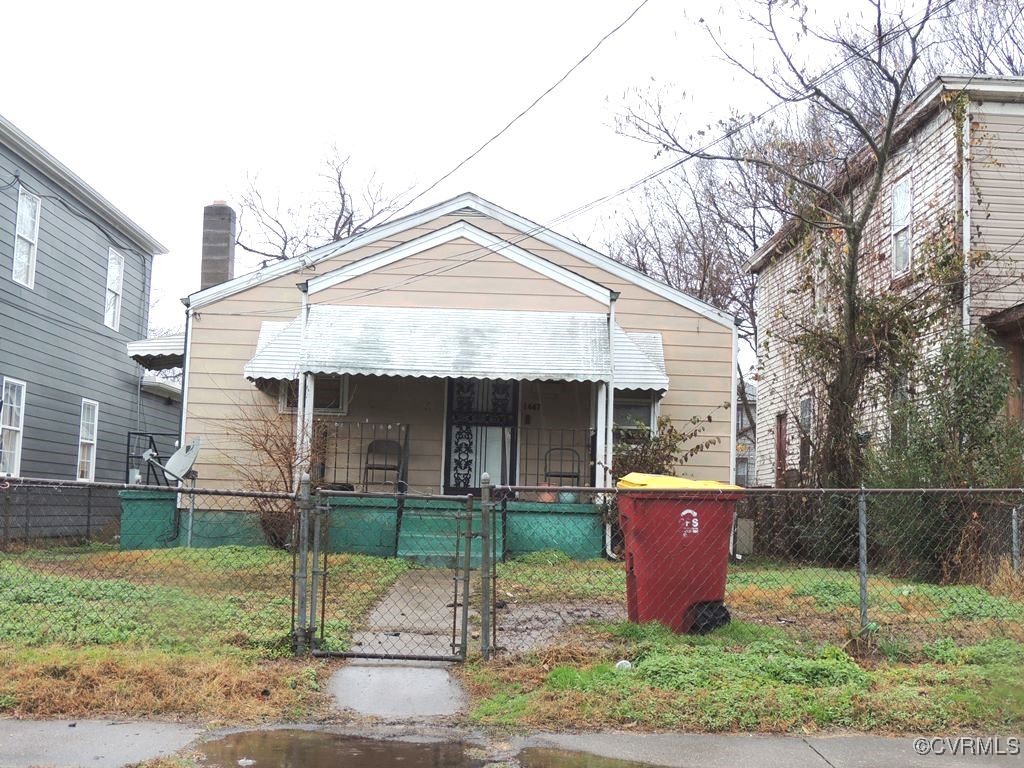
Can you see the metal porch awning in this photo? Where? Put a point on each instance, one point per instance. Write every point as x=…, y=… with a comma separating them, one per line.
x=449, y=343
x=159, y=353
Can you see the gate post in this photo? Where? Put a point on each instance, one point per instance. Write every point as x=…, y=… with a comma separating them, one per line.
x=485, y=566
x=315, y=597
x=301, y=575
x=862, y=557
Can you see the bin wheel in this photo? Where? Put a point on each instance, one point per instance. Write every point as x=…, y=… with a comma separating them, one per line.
x=708, y=617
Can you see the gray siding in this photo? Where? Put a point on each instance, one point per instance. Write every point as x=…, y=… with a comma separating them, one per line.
x=53, y=338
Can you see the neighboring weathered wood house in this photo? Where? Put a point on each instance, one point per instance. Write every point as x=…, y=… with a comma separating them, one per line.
x=455, y=340
x=958, y=176
x=75, y=278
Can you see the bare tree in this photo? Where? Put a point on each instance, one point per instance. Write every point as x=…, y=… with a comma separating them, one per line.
x=276, y=232
x=984, y=37
x=271, y=462
x=831, y=139
x=695, y=230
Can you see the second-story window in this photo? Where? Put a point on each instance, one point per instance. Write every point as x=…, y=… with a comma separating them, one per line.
x=901, y=219
x=26, y=239
x=115, y=283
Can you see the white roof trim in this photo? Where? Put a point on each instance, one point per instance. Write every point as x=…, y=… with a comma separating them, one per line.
x=476, y=203
x=161, y=387
x=56, y=172
x=465, y=231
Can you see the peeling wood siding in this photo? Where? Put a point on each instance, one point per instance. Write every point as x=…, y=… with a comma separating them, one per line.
x=929, y=157
x=698, y=351
x=997, y=207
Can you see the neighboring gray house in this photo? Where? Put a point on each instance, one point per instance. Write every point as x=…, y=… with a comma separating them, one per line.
x=75, y=278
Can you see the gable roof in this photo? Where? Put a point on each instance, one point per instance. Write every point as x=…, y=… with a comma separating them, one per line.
x=488, y=243
x=980, y=88
x=18, y=141
x=463, y=204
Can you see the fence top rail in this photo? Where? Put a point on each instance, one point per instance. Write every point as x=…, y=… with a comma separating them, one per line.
x=761, y=491
x=37, y=482
x=385, y=495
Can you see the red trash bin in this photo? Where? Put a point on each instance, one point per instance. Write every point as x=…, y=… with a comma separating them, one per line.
x=677, y=551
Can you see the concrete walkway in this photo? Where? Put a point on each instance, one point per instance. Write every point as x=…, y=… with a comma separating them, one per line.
x=414, y=618
x=397, y=690
x=724, y=751
x=94, y=743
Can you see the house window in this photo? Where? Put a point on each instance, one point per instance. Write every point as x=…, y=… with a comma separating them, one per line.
x=742, y=470
x=806, y=425
x=330, y=395
x=633, y=413
x=115, y=283
x=12, y=424
x=26, y=239
x=901, y=205
x=87, y=440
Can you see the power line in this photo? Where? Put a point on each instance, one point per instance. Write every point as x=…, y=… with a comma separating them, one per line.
x=522, y=114
x=479, y=252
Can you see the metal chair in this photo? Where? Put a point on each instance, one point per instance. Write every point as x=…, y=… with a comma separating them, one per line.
x=383, y=456
x=562, y=464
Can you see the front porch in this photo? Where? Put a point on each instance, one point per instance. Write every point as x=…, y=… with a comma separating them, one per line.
x=428, y=400
x=422, y=436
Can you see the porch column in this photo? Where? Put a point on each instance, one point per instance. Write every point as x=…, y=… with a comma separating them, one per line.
x=304, y=418
x=603, y=474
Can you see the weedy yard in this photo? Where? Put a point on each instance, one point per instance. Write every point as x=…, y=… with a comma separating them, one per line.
x=193, y=633
x=935, y=657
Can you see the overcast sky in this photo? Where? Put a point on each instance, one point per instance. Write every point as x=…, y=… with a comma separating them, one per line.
x=164, y=111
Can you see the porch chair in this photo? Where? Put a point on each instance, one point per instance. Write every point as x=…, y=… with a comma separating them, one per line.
x=561, y=464
x=383, y=456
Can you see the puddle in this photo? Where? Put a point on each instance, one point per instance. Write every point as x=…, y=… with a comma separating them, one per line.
x=557, y=758
x=316, y=749
x=313, y=749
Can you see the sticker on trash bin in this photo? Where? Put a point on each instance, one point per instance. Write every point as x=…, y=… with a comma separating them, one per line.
x=689, y=522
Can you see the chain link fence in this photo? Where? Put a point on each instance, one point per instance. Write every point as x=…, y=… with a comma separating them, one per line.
x=87, y=564
x=900, y=569
x=415, y=576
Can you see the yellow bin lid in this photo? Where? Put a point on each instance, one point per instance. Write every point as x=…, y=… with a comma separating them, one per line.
x=668, y=482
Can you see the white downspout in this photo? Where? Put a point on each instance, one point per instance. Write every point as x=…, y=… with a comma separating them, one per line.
x=609, y=425
x=303, y=415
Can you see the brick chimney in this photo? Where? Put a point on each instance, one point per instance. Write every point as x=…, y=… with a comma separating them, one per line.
x=218, y=244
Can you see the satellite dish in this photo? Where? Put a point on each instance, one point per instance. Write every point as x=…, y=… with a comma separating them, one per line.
x=179, y=464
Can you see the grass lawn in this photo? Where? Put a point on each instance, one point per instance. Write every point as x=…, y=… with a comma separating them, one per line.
x=746, y=677
x=938, y=657
x=810, y=603
x=195, y=633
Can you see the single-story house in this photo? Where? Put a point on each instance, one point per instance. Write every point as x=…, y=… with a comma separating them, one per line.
x=455, y=340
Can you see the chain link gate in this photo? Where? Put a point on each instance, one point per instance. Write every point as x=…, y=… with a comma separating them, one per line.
x=384, y=576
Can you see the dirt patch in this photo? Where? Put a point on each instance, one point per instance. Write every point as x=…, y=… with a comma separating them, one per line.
x=529, y=626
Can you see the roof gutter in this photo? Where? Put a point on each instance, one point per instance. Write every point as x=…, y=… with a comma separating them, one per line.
x=31, y=152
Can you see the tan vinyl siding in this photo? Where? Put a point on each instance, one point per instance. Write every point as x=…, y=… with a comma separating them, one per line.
x=461, y=275
x=698, y=351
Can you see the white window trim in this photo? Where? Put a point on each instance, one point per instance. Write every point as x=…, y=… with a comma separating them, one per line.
x=31, y=284
x=115, y=324
x=21, y=422
x=82, y=441
x=341, y=410
x=909, y=226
